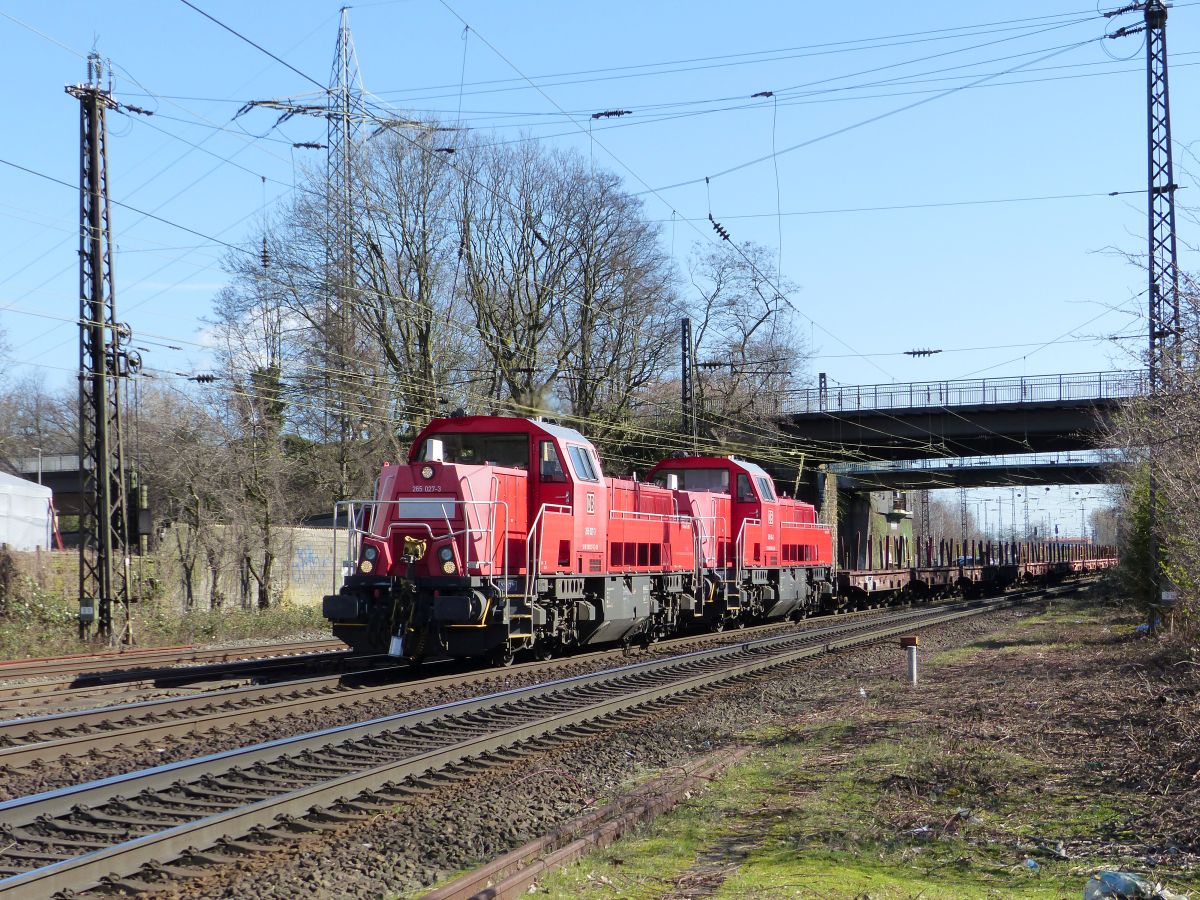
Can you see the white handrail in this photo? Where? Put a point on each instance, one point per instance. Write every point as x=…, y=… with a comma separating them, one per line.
x=488, y=533
x=532, y=569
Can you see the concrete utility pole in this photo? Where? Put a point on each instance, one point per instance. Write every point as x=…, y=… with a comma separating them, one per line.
x=103, y=528
x=687, y=372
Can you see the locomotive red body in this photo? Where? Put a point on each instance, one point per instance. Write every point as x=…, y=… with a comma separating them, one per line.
x=503, y=534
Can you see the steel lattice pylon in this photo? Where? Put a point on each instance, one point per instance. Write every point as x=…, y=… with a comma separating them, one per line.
x=924, y=524
x=343, y=118
x=1165, y=350
x=103, y=546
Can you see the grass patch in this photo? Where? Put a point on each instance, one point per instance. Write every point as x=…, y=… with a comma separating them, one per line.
x=951, y=790
x=37, y=623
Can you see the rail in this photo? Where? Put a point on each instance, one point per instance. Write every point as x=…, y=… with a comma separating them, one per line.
x=969, y=392
x=234, y=792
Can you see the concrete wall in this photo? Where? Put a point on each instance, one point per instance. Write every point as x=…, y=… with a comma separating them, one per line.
x=305, y=568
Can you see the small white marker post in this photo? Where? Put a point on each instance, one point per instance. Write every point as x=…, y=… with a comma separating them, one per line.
x=910, y=643
x=1167, y=601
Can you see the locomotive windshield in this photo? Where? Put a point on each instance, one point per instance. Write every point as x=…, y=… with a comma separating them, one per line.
x=764, y=487
x=474, y=448
x=715, y=480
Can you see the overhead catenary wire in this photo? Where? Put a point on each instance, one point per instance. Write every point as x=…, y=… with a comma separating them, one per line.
x=736, y=247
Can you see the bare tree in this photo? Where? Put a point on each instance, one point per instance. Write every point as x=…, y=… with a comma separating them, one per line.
x=410, y=271
x=618, y=322
x=1160, y=434
x=517, y=266
x=36, y=417
x=182, y=445
x=748, y=348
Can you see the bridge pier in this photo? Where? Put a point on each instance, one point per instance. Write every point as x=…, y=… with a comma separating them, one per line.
x=875, y=530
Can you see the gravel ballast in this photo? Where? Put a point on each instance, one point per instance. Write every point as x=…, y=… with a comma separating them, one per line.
x=460, y=824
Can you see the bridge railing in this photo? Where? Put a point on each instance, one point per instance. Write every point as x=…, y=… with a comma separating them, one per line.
x=969, y=392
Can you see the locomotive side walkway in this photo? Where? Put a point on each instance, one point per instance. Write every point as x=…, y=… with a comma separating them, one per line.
x=1059, y=745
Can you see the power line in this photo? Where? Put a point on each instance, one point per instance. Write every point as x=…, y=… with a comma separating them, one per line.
x=134, y=209
x=256, y=46
x=868, y=121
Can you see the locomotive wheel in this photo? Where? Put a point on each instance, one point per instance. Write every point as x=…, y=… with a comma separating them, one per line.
x=379, y=627
x=502, y=657
x=543, y=651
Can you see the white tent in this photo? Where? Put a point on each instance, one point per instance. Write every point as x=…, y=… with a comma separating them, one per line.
x=25, y=516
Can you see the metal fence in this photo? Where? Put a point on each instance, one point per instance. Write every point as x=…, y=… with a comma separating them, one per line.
x=969, y=392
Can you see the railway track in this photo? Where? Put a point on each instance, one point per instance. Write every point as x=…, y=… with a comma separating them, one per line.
x=249, y=799
x=44, y=739
x=158, y=657
x=21, y=699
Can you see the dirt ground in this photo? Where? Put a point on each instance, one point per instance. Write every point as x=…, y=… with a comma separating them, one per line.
x=1061, y=744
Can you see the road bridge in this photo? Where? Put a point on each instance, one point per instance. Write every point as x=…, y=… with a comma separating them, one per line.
x=969, y=417
x=1085, y=467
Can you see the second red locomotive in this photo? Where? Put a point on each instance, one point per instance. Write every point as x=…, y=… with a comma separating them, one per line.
x=503, y=534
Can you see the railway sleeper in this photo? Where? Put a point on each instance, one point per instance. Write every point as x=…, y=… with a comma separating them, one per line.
x=209, y=799
x=206, y=858
x=152, y=813
x=38, y=858
x=132, y=821
x=295, y=770
x=297, y=826
x=241, y=793
x=155, y=873
x=325, y=814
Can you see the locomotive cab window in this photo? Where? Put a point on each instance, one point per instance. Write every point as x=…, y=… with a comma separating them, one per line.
x=550, y=463
x=581, y=460
x=745, y=493
x=764, y=487
x=477, y=449
x=714, y=480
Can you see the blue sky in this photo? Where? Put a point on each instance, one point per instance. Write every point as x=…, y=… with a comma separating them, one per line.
x=1009, y=275
x=907, y=219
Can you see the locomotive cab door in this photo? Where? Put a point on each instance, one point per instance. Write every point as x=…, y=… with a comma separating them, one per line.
x=770, y=528
x=746, y=507
x=591, y=510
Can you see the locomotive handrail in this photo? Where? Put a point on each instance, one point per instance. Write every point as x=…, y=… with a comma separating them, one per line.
x=533, y=570
x=718, y=541
x=740, y=550
x=634, y=514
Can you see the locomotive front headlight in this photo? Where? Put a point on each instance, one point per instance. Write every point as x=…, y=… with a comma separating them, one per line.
x=366, y=566
x=445, y=554
x=370, y=553
x=427, y=472
x=448, y=567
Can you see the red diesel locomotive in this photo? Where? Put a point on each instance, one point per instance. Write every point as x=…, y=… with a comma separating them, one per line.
x=503, y=534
